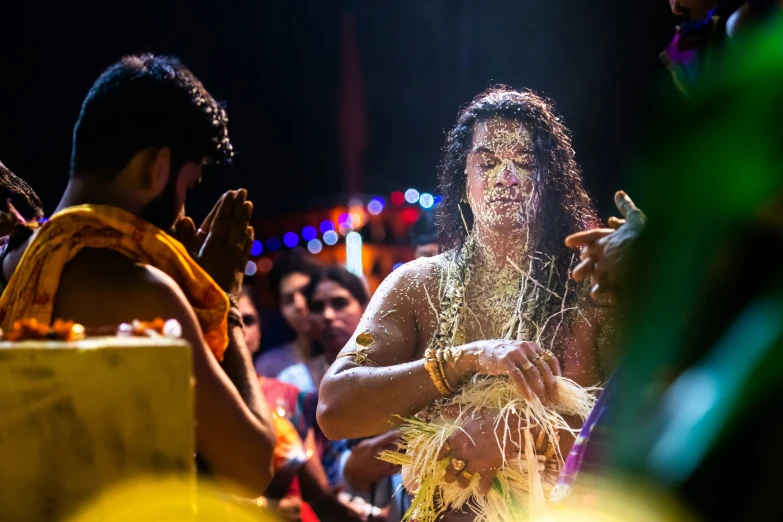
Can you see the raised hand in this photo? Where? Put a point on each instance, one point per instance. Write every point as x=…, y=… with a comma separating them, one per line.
x=605, y=250
x=222, y=243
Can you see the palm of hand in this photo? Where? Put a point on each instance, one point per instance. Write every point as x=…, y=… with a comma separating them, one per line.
x=221, y=246
x=605, y=251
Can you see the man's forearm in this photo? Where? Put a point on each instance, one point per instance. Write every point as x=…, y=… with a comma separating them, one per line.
x=238, y=365
x=362, y=401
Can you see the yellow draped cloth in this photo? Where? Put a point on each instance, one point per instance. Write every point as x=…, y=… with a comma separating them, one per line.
x=31, y=292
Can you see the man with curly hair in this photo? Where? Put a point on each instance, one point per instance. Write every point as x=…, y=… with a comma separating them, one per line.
x=145, y=130
x=511, y=193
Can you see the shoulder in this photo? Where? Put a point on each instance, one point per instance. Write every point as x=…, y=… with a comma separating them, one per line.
x=108, y=285
x=427, y=267
x=416, y=276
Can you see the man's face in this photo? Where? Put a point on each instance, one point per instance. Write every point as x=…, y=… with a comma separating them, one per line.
x=501, y=170
x=252, y=323
x=167, y=207
x=335, y=314
x=428, y=250
x=293, y=305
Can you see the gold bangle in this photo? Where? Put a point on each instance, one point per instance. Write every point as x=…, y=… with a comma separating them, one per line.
x=440, y=356
x=431, y=365
x=451, y=356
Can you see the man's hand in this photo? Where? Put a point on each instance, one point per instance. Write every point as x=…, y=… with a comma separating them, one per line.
x=605, y=250
x=363, y=467
x=475, y=444
x=222, y=244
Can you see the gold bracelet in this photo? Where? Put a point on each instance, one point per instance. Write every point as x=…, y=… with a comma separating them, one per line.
x=451, y=355
x=440, y=354
x=431, y=365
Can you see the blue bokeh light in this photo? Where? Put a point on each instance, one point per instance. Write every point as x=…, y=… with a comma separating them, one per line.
x=309, y=233
x=291, y=239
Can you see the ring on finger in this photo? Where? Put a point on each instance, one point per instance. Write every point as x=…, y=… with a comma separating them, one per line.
x=527, y=366
x=547, y=354
x=537, y=360
x=457, y=464
x=467, y=474
x=447, y=447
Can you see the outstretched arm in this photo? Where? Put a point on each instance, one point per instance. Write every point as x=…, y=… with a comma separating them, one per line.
x=362, y=400
x=359, y=400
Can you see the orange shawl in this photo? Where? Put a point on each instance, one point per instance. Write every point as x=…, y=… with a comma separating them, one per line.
x=33, y=287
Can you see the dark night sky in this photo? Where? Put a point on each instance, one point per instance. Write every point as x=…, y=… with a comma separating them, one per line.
x=278, y=66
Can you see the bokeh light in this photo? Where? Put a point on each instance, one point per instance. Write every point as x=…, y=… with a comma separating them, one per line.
x=375, y=206
x=309, y=233
x=314, y=246
x=357, y=218
x=397, y=198
x=291, y=239
x=331, y=237
x=257, y=248
x=409, y=216
x=251, y=268
x=426, y=200
x=397, y=265
x=326, y=226
x=273, y=244
x=411, y=196
x=264, y=265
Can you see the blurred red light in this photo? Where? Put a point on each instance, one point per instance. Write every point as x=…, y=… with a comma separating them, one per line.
x=410, y=215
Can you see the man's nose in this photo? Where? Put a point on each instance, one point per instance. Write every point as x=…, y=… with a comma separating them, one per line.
x=508, y=176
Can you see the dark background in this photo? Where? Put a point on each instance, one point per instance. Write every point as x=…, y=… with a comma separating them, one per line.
x=277, y=64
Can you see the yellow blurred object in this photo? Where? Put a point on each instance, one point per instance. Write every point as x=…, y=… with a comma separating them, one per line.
x=169, y=499
x=79, y=417
x=616, y=500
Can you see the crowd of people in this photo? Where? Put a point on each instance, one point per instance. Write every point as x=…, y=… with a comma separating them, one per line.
x=518, y=292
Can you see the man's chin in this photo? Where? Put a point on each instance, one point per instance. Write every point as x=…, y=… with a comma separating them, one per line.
x=509, y=225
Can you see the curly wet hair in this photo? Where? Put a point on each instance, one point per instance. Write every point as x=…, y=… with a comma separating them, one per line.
x=144, y=101
x=565, y=207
